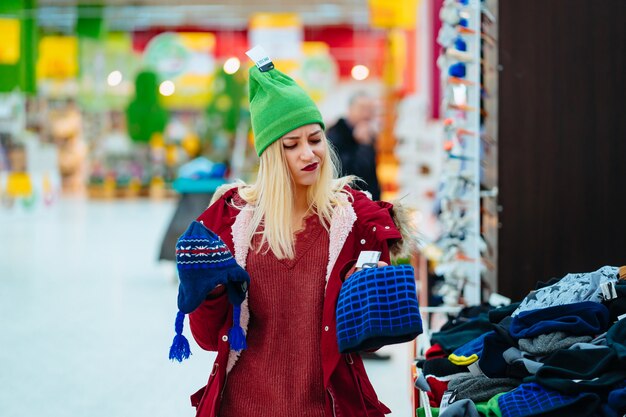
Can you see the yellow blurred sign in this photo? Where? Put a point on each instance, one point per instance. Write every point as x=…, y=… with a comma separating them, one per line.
x=19, y=185
x=58, y=57
x=387, y=14
x=281, y=35
x=395, y=58
x=10, y=45
x=275, y=20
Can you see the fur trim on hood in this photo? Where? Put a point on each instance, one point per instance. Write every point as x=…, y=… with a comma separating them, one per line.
x=223, y=189
x=403, y=218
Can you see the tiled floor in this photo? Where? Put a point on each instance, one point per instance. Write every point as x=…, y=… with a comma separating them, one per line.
x=87, y=317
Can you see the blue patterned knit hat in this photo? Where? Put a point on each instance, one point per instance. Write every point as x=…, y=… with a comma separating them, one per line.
x=378, y=307
x=532, y=399
x=204, y=262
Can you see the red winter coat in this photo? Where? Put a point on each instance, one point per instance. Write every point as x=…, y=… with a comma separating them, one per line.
x=363, y=225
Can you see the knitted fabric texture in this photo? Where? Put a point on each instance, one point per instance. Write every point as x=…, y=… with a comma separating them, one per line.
x=378, y=307
x=616, y=339
x=481, y=388
x=277, y=106
x=453, y=338
x=488, y=409
x=551, y=342
x=573, y=288
x=496, y=315
x=520, y=362
x=534, y=400
x=617, y=306
x=463, y=360
x=491, y=407
x=421, y=412
x=576, y=370
x=586, y=318
x=460, y=408
x=435, y=351
x=492, y=362
x=440, y=367
x=469, y=352
x=204, y=262
x=436, y=389
x=280, y=374
x=617, y=399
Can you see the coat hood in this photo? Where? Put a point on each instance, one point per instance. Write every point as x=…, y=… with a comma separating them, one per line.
x=402, y=215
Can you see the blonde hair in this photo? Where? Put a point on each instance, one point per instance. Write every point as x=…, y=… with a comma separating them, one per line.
x=272, y=196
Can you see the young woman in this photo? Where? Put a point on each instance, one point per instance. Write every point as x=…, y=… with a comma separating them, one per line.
x=297, y=230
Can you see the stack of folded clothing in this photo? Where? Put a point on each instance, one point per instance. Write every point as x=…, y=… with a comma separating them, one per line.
x=559, y=352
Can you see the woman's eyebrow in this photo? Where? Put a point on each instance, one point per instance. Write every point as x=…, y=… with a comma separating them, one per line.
x=317, y=132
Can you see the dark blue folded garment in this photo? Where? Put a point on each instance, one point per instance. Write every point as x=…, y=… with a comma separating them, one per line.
x=585, y=318
x=378, y=307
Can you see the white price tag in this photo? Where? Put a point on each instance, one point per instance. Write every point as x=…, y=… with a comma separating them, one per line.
x=447, y=399
x=497, y=300
x=608, y=290
x=260, y=58
x=368, y=258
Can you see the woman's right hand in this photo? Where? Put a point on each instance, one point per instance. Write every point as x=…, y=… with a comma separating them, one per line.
x=216, y=292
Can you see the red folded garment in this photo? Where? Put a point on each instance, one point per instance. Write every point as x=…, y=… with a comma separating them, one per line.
x=435, y=351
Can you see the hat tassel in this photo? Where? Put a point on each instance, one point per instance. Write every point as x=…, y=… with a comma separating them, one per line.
x=236, y=335
x=180, y=346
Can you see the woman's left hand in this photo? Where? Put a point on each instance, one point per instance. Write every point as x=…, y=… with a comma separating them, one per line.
x=353, y=269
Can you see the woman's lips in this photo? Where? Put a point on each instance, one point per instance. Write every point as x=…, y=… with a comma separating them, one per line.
x=311, y=167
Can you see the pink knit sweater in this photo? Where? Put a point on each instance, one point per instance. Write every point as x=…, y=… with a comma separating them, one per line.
x=280, y=373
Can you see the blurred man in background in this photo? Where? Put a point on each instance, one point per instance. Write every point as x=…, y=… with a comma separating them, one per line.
x=354, y=139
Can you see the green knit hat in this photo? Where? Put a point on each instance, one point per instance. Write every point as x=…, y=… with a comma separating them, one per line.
x=277, y=106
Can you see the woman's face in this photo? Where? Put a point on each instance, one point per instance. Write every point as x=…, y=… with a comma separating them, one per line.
x=305, y=150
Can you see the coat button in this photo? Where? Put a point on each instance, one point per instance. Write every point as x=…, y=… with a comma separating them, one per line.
x=374, y=228
x=325, y=328
x=225, y=338
x=387, y=227
x=362, y=241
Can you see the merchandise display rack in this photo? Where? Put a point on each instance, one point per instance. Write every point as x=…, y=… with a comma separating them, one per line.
x=468, y=191
x=470, y=152
x=489, y=141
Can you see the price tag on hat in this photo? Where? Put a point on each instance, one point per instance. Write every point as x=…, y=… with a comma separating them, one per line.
x=448, y=398
x=368, y=259
x=261, y=58
x=497, y=300
x=608, y=290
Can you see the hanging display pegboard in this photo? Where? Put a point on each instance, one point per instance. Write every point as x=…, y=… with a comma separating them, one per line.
x=489, y=142
x=462, y=245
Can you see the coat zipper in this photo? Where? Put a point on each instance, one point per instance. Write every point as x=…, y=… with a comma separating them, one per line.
x=332, y=401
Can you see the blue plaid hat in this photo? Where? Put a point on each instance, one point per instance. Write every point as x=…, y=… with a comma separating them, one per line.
x=378, y=307
x=532, y=399
x=204, y=262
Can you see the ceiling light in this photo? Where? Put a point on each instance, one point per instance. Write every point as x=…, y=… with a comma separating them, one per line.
x=231, y=65
x=167, y=88
x=360, y=72
x=114, y=78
